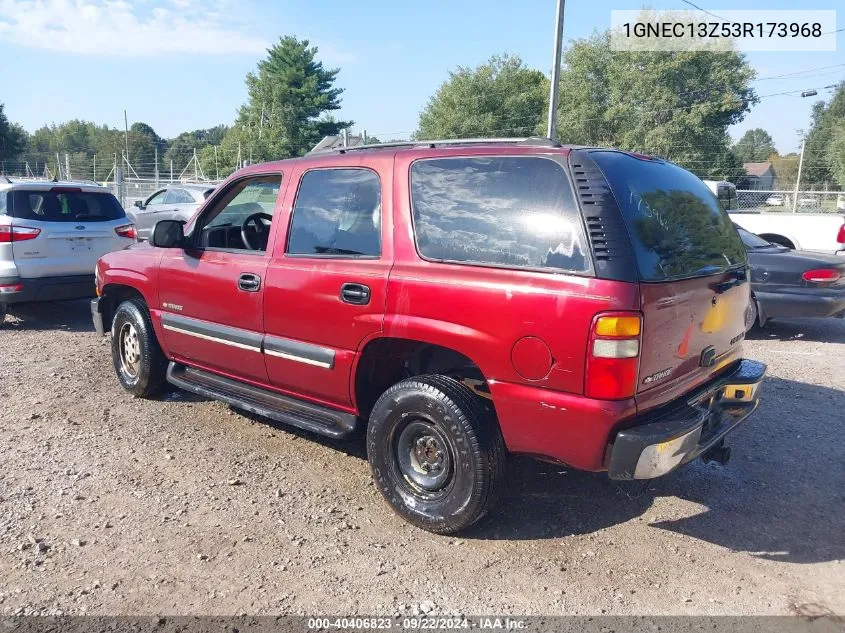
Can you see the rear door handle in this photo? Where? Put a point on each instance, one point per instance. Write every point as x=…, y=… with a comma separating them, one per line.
x=356, y=294
x=249, y=282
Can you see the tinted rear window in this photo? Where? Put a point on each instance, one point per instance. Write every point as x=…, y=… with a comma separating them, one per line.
x=501, y=211
x=676, y=225
x=65, y=206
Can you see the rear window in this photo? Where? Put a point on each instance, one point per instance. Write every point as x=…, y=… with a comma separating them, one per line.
x=500, y=211
x=676, y=224
x=65, y=206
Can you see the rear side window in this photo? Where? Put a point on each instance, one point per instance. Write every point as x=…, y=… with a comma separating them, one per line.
x=676, y=224
x=3, y=203
x=65, y=206
x=337, y=212
x=500, y=211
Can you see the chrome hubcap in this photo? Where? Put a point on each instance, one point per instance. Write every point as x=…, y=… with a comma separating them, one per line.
x=130, y=349
x=423, y=456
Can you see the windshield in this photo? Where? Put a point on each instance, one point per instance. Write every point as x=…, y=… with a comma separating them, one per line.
x=751, y=240
x=677, y=226
x=65, y=206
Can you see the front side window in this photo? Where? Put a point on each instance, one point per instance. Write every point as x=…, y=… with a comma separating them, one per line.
x=501, y=211
x=337, y=213
x=157, y=198
x=241, y=218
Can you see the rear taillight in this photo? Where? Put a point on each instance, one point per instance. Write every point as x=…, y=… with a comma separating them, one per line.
x=822, y=275
x=840, y=237
x=17, y=233
x=127, y=230
x=613, y=356
x=10, y=288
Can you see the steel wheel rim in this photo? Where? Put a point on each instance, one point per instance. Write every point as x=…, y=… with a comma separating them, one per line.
x=130, y=350
x=424, y=457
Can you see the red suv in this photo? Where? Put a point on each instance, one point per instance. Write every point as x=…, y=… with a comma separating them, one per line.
x=458, y=301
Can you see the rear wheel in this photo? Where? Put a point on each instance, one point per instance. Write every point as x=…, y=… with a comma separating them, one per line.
x=3, y=310
x=753, y=315
x=436, y=454
x=138, y=360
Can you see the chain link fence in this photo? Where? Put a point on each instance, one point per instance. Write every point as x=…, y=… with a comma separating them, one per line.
x=130, y=190
x=803, y=202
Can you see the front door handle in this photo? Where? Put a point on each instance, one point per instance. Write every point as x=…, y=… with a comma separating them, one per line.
x=356, y=294
x=249, y=282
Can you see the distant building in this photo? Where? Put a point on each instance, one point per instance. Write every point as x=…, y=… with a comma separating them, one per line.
x=759, y=176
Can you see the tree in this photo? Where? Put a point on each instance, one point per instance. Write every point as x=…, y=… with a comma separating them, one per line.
x=836, y=152
x=289, y=97
x=143, y=142
x=502, y=97
x=821, y=156
x=12, y=138
x=675, y=104
x=786, y=169
x=755, y=146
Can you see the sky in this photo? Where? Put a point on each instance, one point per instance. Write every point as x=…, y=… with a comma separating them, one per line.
x=179, y=65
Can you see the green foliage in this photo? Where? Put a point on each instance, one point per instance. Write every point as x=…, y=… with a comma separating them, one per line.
x=12, y=138
x=823, y=166
x=678, y=105
x=755, y=146
x=502, y=97
x=289, y=98
x=786, y=170
x=836, y=152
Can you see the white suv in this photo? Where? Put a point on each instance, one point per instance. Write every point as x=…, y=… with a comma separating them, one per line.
x=51, y=236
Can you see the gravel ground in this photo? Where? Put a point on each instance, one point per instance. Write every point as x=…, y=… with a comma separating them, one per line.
x=113, y=505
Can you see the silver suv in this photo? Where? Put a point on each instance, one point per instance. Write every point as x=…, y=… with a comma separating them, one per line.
x=51, y=236
x=174, y=202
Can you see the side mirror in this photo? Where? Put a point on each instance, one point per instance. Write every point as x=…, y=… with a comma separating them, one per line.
x=139, y=204
x=168, y=234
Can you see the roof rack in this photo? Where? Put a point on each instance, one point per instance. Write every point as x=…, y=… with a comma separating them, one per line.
x=535, y=141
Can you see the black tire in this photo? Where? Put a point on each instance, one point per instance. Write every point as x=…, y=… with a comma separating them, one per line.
x=139, y=363
x=3, y=310
x=473, y=455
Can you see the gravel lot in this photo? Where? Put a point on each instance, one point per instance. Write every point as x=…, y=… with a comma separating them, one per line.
x=112, y=505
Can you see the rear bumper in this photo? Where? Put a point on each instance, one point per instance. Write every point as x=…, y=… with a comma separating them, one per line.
x=29, y=290
x=803, y=302
x=683, y=430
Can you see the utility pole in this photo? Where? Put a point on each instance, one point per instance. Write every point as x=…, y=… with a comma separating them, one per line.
x=216, y=168
x=155, y=147
x=798, y=180
x=196, y=167
x=67, y=166
x=95, y=168
x=364, y=137
x=126, y=132
x=58, y=166
x=553, y=90
x=171, y=170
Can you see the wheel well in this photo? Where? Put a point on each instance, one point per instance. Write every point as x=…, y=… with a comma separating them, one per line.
x=774, y=238
x=113, y=296
x=384, y=362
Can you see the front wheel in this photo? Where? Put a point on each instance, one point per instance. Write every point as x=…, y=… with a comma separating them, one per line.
x=138, y=360
x=436, y=453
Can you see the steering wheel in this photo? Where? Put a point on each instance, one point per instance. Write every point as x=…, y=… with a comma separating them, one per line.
x=261, y=229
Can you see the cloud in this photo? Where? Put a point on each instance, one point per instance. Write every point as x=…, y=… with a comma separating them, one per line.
x=120, y=28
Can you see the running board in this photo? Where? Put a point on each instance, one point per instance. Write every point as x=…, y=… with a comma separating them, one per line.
x=303, y=415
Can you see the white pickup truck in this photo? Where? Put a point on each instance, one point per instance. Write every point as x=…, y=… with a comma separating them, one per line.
x=806, y=231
